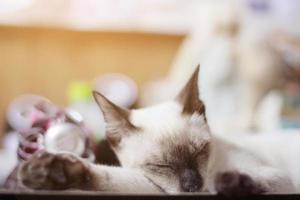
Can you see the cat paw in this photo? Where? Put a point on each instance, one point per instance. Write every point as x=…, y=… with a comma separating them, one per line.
x=234, y=184
x=46, y=171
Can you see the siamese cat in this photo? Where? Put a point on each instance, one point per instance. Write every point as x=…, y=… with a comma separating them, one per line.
x=168, y=148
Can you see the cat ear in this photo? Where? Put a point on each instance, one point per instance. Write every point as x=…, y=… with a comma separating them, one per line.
x=116, y=118
x=189, y=96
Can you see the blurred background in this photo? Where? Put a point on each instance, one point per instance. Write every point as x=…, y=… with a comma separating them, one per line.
x=139, y=53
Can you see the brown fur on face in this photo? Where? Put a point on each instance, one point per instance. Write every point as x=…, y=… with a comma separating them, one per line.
x=180, y=159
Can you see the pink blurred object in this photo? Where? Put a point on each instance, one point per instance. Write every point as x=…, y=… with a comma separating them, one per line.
x=43, y=126
x=26, y=109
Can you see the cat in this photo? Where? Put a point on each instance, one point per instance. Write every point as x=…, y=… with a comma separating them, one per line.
x=169, y=148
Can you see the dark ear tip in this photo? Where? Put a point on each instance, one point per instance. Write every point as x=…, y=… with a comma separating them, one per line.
x=96, y=93
x=197, y=70
x=195, y=76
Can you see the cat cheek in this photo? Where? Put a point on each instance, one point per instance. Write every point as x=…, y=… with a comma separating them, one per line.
x=202, y=162
x=205, y=150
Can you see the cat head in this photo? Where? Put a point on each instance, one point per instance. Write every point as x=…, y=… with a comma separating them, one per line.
x=169, y=142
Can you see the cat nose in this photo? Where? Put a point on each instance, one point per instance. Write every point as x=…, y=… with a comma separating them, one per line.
x=190, y=180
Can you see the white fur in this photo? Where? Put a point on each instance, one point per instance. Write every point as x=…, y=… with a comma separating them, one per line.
x=160, y=119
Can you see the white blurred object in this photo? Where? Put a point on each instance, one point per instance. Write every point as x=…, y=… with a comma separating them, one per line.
x=14, y=5
x=65, y=137
x=118, y=88
x=164, y=16
x=238, y=69
x=211, y=45
x=269, y=112
x=8, y=156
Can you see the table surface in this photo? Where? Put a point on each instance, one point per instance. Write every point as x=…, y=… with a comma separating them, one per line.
x=80, y=195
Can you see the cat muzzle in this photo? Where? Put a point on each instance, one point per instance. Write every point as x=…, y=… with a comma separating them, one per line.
x=190, y=180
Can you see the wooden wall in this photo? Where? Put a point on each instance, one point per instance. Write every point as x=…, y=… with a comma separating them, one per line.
x=43, y=61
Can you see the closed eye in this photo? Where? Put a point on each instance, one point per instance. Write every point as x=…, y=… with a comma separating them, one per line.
x=160, y=165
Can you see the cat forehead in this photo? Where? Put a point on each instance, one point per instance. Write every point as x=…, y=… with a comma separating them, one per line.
x=158, y=117
x=164, y=119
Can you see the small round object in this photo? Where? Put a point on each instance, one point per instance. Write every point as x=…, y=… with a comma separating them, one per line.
x=65, y=137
